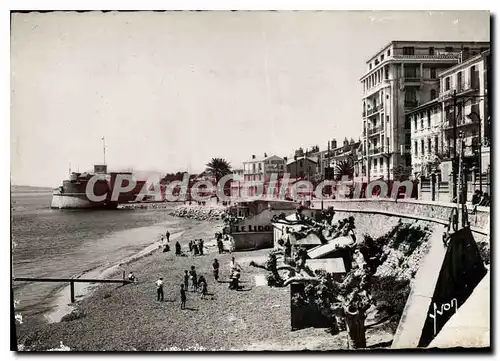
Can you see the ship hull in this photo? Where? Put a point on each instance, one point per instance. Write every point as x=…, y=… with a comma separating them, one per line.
x=76, y=201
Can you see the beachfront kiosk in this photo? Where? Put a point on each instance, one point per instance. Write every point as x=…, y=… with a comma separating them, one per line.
x=254, y=229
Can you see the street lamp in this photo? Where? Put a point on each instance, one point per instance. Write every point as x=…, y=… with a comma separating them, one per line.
x=478, y=119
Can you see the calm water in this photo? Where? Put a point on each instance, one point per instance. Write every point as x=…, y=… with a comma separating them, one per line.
x=64, y=243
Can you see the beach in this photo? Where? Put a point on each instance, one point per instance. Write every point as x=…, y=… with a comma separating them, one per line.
x=128, y=317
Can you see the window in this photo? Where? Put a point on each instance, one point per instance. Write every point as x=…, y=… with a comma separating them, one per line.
x=433, y=73
x=370, y=65
x=431, y=50
x=422, y=147
x=415, y=123
x=436, y=143
x=459, y=81
x=260, y=166
x=410, y=71
x=382, y=57
x=389, y=52
x=448, y=49
x=421, y=123
x=408, y=50
x=433, y=94
x=381, y=162
x=429, y=118
x=429, y=146
x=415, y=148
x=386, y=75
x=387, y=117
x=447, y=83
x=375, y=163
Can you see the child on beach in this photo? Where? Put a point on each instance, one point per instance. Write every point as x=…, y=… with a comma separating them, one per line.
x=183, y=297
x=204, y=289
x=168, y=236
x=186, y=279
x=194, y=279
x=159, y=289
x=191, y=246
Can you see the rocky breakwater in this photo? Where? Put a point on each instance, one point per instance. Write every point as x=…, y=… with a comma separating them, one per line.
x=200, y=212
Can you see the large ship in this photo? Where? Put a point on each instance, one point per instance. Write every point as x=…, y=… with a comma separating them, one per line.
x=73, y=192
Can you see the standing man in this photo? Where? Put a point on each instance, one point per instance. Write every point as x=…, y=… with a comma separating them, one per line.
x=183, y=297
x=168, y=236
x=194, y=279
x=159, y=289
x=215, y=265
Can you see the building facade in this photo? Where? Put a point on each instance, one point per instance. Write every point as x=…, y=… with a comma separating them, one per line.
x=400, y=77
x=261, y=170
x=461, y=115
x=304, y=168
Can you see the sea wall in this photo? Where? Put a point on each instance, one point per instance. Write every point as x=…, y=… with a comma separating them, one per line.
x=434, y=210
x=199, y=212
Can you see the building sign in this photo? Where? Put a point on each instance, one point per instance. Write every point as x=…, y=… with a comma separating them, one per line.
x=251, y=228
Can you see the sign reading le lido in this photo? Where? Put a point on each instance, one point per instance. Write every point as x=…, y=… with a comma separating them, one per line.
x=249, y=228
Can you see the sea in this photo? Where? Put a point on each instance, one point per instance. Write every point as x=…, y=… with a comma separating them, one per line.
x=53, y=243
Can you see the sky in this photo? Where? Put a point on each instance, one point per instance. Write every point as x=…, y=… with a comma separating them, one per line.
x=169, y=91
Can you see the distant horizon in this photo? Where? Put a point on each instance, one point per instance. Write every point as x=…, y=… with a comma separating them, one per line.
x=170, y=90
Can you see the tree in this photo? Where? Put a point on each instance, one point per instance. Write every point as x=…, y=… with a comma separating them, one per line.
x=344, y=167
x=401, y=173
x=218, y=168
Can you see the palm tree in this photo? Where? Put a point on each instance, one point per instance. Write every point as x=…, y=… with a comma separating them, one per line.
x=344, y=167
x=218, y=168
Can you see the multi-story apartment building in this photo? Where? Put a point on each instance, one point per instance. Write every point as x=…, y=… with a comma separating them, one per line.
x=464, y=97
x=463, y=100
x=237, y=183
x=426, y=143
x=261, y=169
x=401, y=76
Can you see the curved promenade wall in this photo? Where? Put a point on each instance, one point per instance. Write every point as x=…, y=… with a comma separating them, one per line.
x=424, y=210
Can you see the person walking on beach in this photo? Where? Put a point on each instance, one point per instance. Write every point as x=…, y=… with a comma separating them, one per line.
x=159, y=289
x=168, y=236
x=186, y=280
x=177, y=248
x=191, y=246
x=195, y=249
x=215, y=265
x=183, y=297
x=194, y=279
x=204, y=287
x=200, y=245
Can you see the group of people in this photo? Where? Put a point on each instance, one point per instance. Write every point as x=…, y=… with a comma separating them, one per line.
x=193, y=282
x=196, y=247
x=220, y=245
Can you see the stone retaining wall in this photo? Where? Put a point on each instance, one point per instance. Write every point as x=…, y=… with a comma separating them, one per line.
x=437, y=210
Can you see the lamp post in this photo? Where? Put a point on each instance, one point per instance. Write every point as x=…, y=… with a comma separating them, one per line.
x=480, y=161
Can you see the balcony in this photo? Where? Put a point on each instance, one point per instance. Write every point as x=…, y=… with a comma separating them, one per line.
x=437, y=56
x=374, y=130
x=411, y=104
x=374, y=110
x=461, y=122
x=376, y=150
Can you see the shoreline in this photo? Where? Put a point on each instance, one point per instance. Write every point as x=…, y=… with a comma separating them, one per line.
x=61, y=303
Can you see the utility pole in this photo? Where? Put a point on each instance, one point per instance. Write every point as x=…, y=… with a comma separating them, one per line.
x=454, y=164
